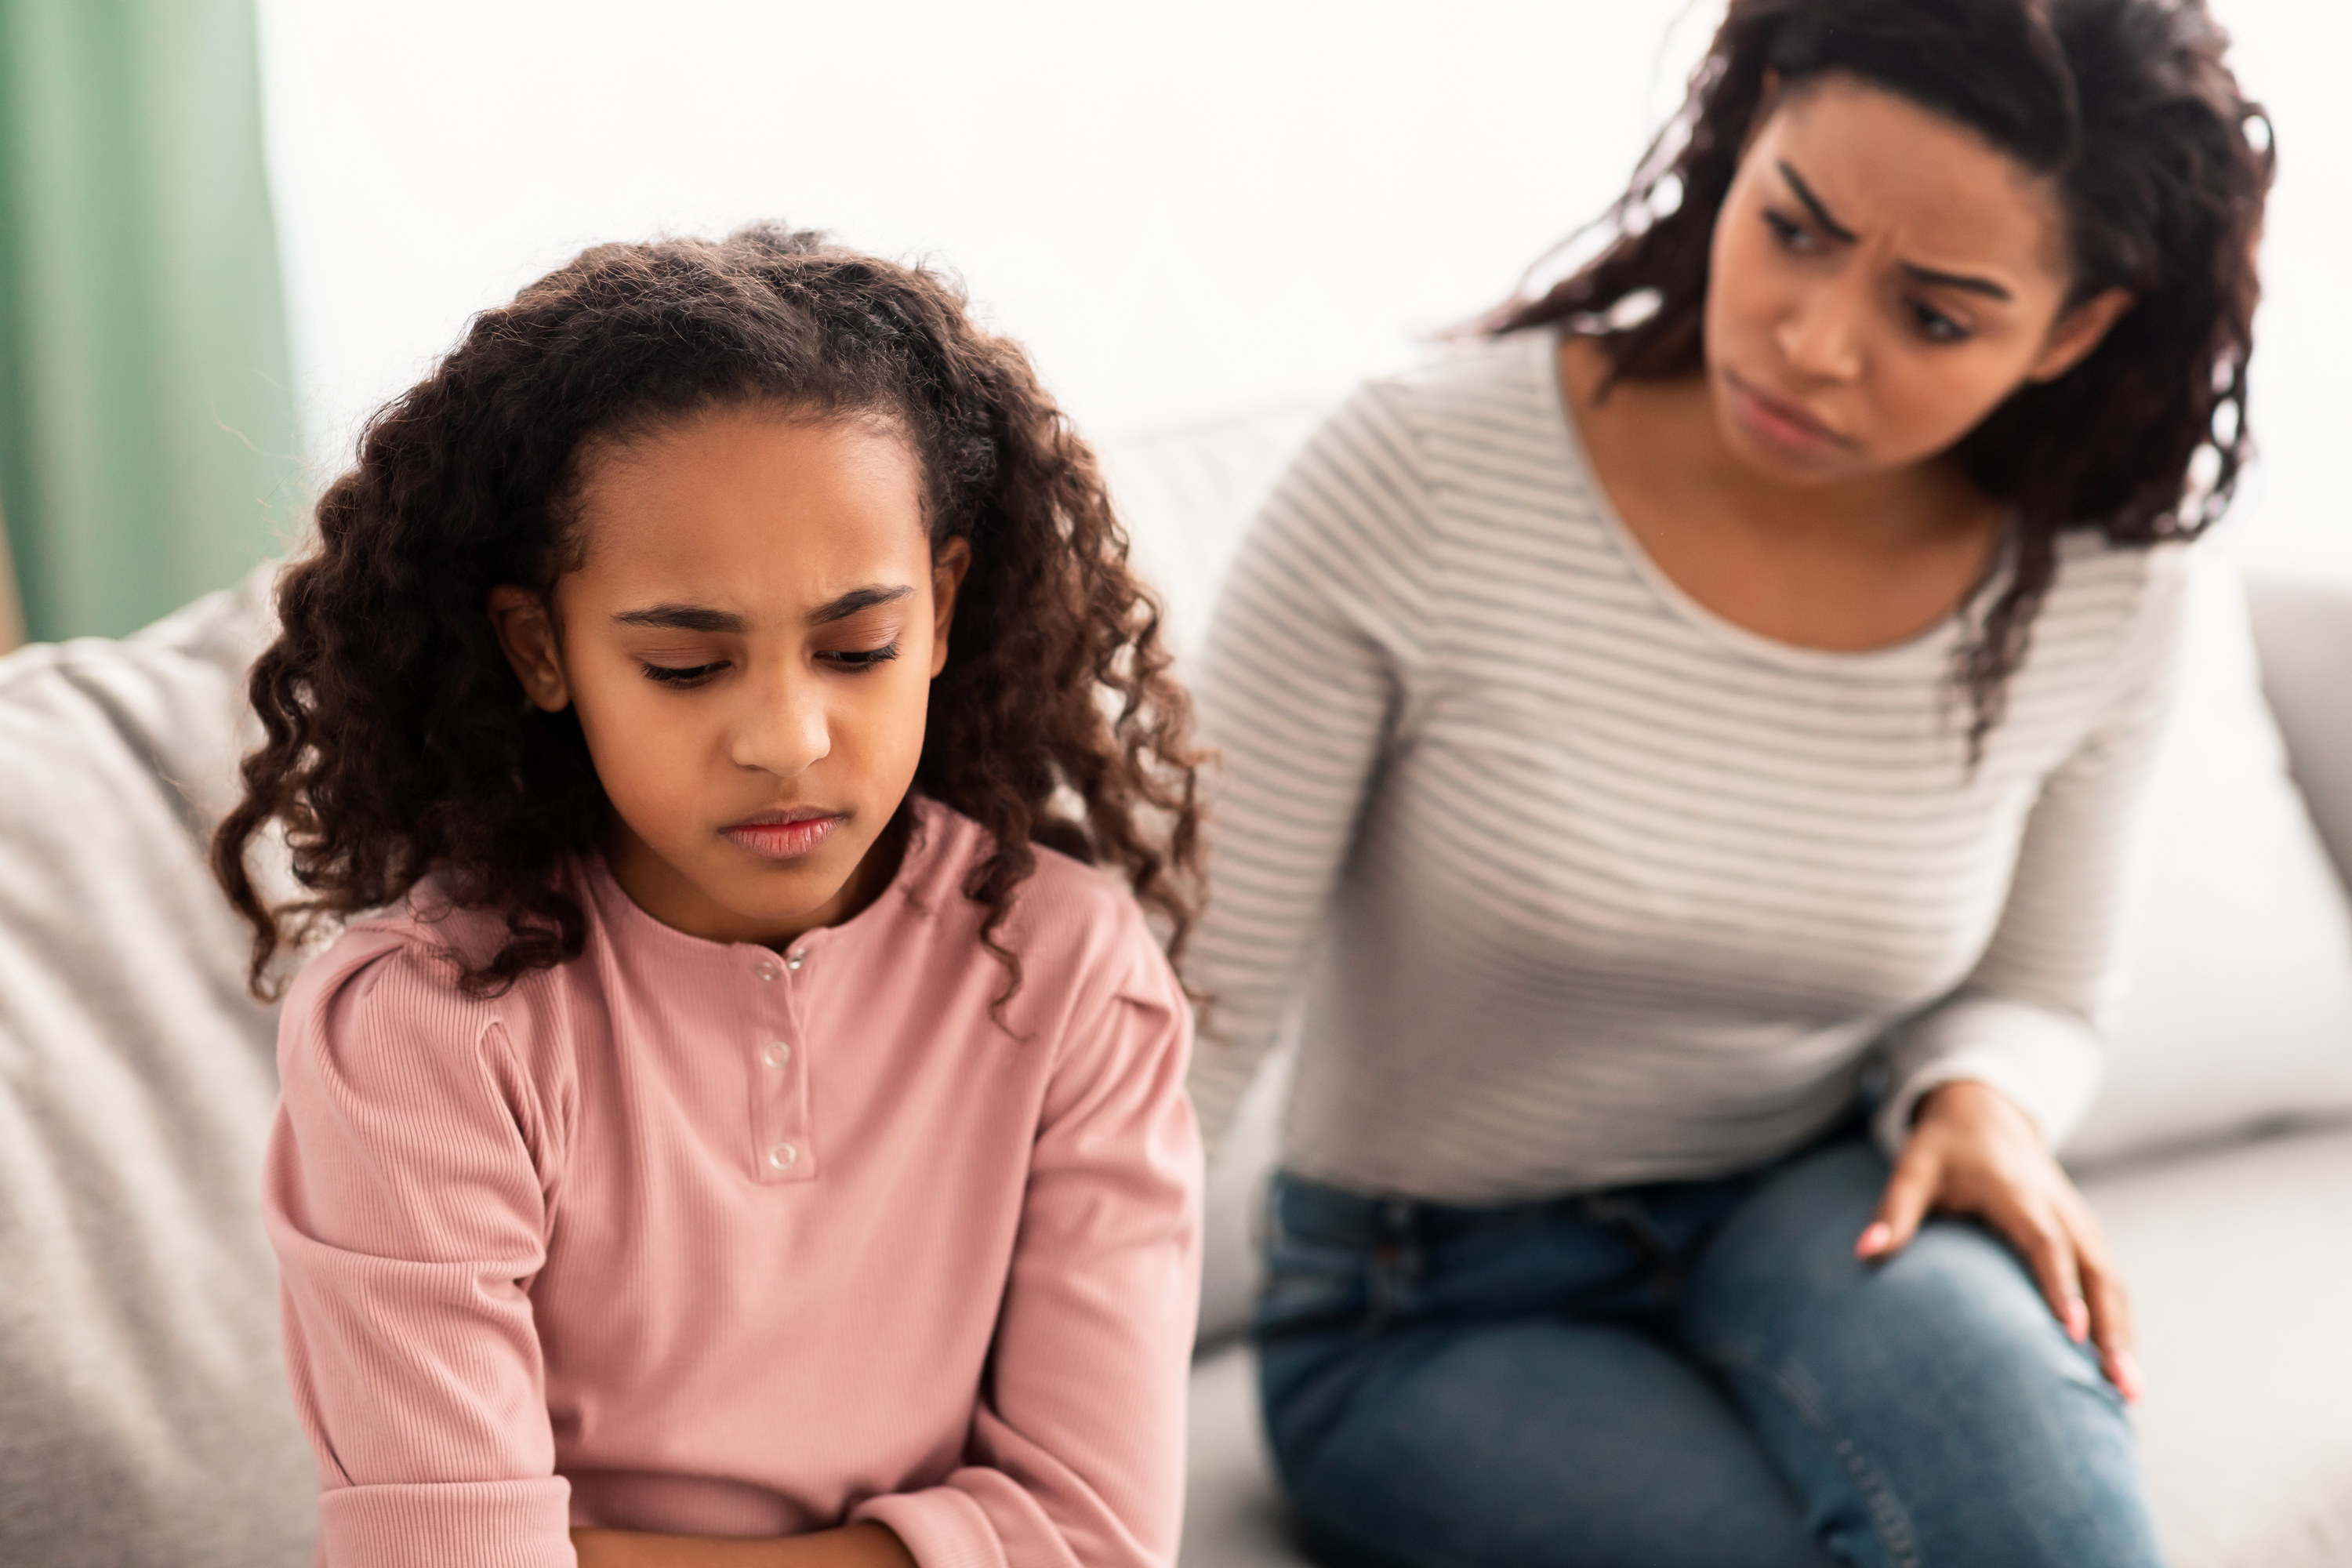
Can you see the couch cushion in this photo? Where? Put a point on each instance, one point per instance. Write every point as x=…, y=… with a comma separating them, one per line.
x=2240, y=1260
x=1233, y=1515
x=1187, y=495
x=147, y=1419
x=2303, y=621
x=2240, y=1263
x=2238, y=956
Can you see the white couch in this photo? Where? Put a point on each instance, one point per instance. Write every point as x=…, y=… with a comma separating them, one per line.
x=143, y=1416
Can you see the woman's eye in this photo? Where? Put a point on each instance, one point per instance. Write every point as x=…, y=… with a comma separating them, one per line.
x=1790, y=234
x=1936, y=326
x=676, y=675
x=855, y=660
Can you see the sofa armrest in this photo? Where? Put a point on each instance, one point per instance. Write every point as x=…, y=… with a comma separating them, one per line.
x=2303, y=626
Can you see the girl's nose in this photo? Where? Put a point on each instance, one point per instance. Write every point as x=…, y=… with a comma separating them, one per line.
x=784, y=729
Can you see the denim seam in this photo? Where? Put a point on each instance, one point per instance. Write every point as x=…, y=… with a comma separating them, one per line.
x=1887, y=1515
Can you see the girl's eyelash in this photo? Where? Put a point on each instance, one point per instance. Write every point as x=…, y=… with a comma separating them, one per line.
x=855, y=660
x=852, y=660
x=673, y=675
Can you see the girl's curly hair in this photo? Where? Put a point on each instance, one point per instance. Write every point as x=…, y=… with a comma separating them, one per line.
x=2162, y=167
x=398, y=743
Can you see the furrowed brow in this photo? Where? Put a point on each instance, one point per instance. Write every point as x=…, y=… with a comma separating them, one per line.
x=854, y=601
x=682, y=618
x=1804, y=193
x=1960, y=280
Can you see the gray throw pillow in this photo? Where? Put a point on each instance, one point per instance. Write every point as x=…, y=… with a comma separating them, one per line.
x=143, y=1411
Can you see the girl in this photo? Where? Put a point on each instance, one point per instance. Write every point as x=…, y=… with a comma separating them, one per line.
x=741, y=1128
x=1701, y=717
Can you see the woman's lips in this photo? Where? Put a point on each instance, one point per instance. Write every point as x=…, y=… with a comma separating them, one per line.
x=786, y=835
x=1779, y=421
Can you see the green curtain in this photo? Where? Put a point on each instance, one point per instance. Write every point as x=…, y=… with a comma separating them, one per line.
x=149, y=450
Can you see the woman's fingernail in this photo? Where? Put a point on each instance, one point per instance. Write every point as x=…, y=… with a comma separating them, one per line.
x=2123, y=1370
x=2078, y=1321
x=1875, y=1239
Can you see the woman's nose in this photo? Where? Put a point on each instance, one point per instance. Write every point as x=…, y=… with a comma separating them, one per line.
x=1820, y=336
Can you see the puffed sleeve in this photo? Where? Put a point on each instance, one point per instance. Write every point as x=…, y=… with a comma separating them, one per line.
x=2029, y=1020
x=1076, y=1456
x=406, y=1197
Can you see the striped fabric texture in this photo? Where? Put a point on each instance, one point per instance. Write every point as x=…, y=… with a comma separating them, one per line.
x=1565, y=882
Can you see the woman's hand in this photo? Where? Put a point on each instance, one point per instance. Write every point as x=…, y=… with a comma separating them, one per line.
x=1972, y=1152
x=867, y=1545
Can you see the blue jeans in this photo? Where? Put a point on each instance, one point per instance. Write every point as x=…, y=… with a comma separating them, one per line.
x=1681, y=1374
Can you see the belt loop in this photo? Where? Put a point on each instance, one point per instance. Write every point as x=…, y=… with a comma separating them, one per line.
x=1395, y=1263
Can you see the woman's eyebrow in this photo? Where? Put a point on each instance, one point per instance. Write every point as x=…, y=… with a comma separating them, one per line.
x=1804, y=193
x=1838, y=231
x=1930, y=275
x=857, y=599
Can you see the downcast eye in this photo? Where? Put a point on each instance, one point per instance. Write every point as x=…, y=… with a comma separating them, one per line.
x=1936, y=326
x=1790, y=234
x=673, y=675
x=861, y=658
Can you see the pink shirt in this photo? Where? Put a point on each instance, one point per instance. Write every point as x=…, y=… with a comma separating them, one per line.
x=702, y=1239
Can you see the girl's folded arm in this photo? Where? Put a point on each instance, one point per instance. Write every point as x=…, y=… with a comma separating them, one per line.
x=865, y=1545
x=406, y=1197
x=1076, y=1454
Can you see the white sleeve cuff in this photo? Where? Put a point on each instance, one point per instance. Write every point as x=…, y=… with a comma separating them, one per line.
x=2046, y=1063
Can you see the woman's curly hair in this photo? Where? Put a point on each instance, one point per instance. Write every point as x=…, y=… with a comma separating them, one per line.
x=398, y=740
x=2162, y=167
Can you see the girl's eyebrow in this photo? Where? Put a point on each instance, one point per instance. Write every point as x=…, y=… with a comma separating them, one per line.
x=700, y=619
x=682, y=618
x=857, y=599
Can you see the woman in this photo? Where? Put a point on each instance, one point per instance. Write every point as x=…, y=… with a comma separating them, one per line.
x=1677, y=754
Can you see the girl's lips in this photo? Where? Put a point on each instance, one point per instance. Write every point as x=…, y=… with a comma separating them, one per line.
x=1782, y=423
x=786, y=839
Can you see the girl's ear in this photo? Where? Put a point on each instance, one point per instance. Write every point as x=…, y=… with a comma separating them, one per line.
x=526, y=632
x=948, y=567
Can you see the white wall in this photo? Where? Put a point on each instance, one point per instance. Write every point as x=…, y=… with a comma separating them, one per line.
x=1184, y=211
x=2293, y=55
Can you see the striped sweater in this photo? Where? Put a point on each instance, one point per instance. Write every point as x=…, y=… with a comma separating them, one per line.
x=1570, y=883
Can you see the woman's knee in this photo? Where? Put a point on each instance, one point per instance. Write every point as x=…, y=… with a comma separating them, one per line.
x=1930, y=1406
